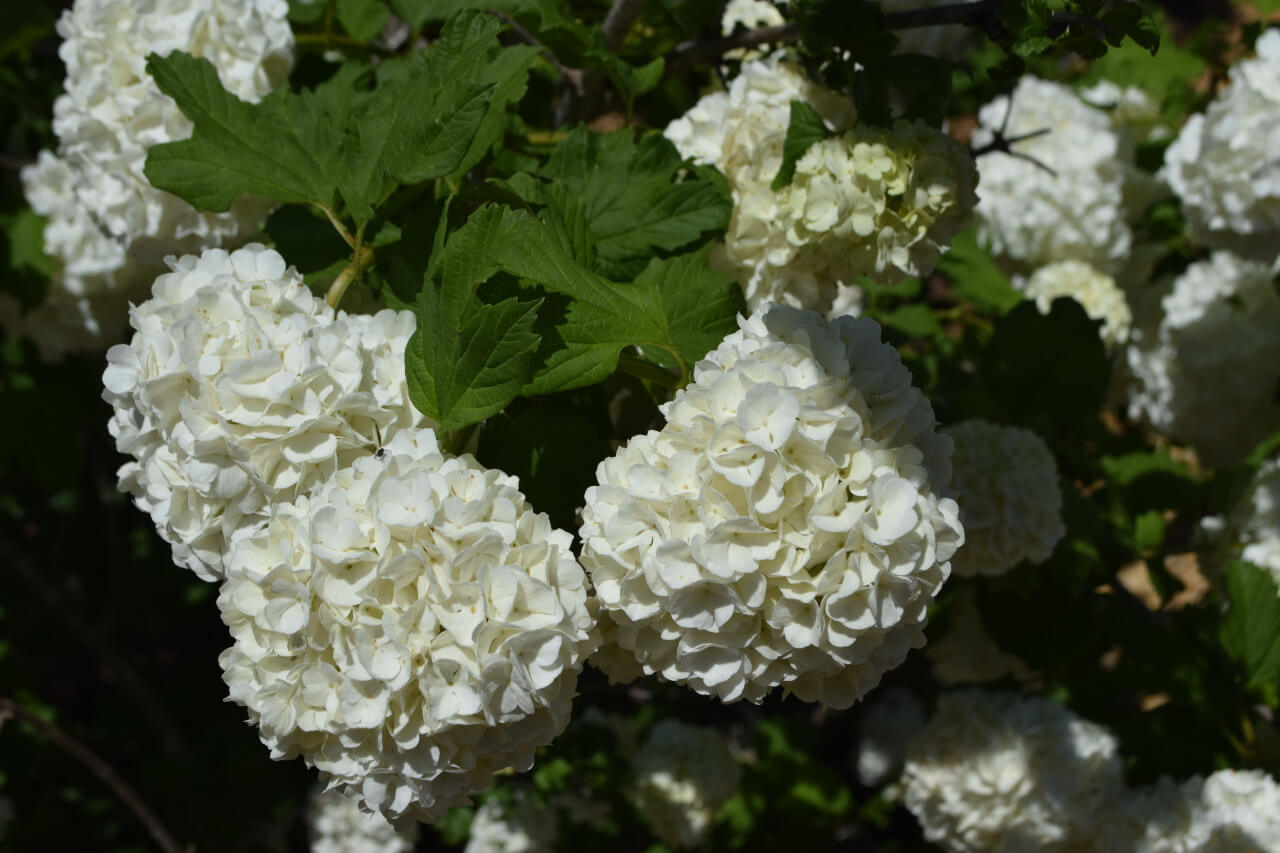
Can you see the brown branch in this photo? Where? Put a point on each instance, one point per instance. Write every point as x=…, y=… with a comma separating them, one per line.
x=98, y=767
x=148, y=704
x=572, y=76
x=617, y=23
x=689, y=53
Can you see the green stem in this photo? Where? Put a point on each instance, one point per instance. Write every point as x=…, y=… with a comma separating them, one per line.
x=337, y=223
x=361, y=258
x=633, y=365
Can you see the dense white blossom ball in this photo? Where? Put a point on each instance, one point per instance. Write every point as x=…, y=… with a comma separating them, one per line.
x=1223, y=166
x=1096, y=292
x=741, y=133
x=335, y=824
x=889, y=720
x=241, y=388
x=108, y=228
x=1006, y=482
x=1231, y=810
x=1001, y=772
x=683, y=775
x=410, y=628
x=1083, y=210
x=785, y=527
x=1206, y=373
x=519, y=826
x=878, y=202
x=1256, y=520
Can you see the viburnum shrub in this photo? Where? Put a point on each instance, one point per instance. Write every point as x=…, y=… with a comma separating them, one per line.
x=635, y=425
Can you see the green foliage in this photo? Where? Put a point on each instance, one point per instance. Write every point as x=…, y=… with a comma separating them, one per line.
x=856, y=26
x=975, y=277
x=623, y=198
x=1251, y=629
x=362, y=19
x=418, y=123
x=804, y=130
x=22, y=256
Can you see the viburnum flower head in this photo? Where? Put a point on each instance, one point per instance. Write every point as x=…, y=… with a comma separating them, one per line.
x=1006, y=482
x=410, y=628
x=518, y=826
x=241, y=388
x=1083, y=209
x=1207, y=372
x=1235, y=810
x=335, y=824
x=108, y=228
x=1096, y=292
x=684, y=774
x=1223, y=166
x=785, y=528
x=868, y=201
x=1001, y=772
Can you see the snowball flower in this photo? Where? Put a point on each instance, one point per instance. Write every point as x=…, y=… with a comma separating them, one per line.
x=241, y=388
x=684, y=774
x=519, y=826
x=889, y=719
x=1084, y=210
x=335, y=824
x=1000, y=772
x=876, y=202
x=1222, y=164
x=1096, y=292
x=1207, y=371
x=94, y=192
x=1006, y=482
x=785, y=527
x=410, y=628
x=1236, y=810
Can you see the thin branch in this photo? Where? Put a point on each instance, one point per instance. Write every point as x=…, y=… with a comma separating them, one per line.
x=692, y=52
x=98, y=767
x=14, y=164
x=148, y=704
x=1004, y=144
x=572, y=76
x=336, y=223
x=617, y=23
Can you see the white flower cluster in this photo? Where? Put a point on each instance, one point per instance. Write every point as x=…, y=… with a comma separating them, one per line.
x=240, y=389
x=1223, y=166
x=410, y=628
x=1006, y=482
x=335, y=824
x=889, y=720
x=1000, y=772
x=1084, y=208
x=684, y=774
x=515, y=827
x=1233, y=810
x=108, y=227
x=1256, y=521
x=1096, y=292
x=785, y=527
x=876, y=202
x=1206, y=374
x=870, y=201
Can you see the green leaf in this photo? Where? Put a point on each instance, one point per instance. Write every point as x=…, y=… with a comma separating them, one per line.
x=975, y=276
x=466, y=362
x=1048, y=372
x=28, y=267
x=415, y=12
x=625, y=194
x=422, y=119
x=1250, y=631
x=419, y=123
x=306, y=13
x=508, y=71
x=917, y=321
x=1026, y=23
x=856, y=26
x=1148, y=530
x=276, y=148
x=1128, y=468
x=804, y=129
x=362, y=19
x=1132, y=20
